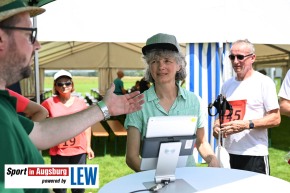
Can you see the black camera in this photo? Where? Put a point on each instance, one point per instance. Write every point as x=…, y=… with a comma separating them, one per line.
x=221, y=104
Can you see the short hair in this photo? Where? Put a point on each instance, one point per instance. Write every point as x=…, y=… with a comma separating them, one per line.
x=247, y=43
x=156, y=54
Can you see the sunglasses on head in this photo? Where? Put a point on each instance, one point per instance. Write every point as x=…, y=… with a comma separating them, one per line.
x=60, y=84
x=239, y=56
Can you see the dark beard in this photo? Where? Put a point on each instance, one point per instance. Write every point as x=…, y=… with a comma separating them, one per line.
x=26, y=72
x=13, y=62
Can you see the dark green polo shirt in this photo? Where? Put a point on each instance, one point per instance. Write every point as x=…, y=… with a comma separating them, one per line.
x=15, y=145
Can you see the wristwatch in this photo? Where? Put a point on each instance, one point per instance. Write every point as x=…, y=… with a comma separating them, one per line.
x=251, y=124
x=104, y=109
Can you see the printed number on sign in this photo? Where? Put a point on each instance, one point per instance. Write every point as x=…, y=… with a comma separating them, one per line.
x=239, y=110
x=73, y=142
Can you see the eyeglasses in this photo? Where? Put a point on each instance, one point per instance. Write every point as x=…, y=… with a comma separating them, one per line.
x=60, y=84
x=33, y=34
x=239, y=56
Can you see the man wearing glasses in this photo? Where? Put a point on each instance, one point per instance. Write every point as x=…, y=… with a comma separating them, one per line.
x=255, y=109
x=20, y=138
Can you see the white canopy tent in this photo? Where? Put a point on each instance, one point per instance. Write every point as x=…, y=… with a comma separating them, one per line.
x=261, y=21
x=90, y=34
x=106, y=58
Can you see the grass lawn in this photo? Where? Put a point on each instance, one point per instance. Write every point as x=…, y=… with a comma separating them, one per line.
x=280, y=146
x=113, y=166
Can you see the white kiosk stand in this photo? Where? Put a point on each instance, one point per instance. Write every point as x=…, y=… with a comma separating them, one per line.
x=165, y=171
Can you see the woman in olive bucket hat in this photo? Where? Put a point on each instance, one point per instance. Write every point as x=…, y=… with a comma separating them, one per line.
x=165, y=68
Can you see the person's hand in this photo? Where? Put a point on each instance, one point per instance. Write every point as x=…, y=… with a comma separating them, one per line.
x=90, y=153
x=123, y=104
x=233, y=127
x=216, y=130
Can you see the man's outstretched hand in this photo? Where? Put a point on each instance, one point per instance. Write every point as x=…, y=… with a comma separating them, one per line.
x=123, y=104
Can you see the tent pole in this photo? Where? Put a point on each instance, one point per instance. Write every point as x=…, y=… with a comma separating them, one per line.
x=36, y=69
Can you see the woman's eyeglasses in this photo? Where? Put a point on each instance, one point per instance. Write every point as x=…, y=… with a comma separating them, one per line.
x=239, y=56
x=60, y=84
x=33, y=34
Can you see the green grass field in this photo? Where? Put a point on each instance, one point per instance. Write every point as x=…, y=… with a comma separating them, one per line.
x=113, y=166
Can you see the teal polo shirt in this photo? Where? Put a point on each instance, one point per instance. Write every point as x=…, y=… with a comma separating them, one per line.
x=119, y=84
x=186, y=103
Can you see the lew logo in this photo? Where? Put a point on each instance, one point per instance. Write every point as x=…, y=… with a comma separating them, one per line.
x=84, y=175
x=47, y=176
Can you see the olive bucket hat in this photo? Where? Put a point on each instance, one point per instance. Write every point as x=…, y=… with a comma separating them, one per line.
x=161, y=41
x=9, y=8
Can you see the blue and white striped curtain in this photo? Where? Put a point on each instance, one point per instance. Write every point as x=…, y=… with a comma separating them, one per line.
x=207, y=66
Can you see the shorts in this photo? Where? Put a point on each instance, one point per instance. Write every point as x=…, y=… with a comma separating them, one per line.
x=259, y=164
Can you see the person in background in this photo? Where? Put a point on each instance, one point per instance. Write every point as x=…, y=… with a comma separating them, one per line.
x=17, y=48
x=284, y=94
x=76, y=149
x=255, y=108
x=136, y=86
x=119, y=90
x=144, y=85
x=165, y=68
x=119, y=84
x=31, y=109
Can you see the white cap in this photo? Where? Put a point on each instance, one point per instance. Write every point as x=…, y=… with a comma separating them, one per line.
x=62, y=73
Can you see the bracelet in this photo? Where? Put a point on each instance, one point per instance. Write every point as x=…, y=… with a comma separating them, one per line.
x=104, y=109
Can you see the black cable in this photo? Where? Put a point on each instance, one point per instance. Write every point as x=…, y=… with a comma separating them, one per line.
x=143, y=190
x=154, y=188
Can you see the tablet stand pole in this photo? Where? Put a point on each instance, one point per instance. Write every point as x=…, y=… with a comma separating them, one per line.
x=165, y=170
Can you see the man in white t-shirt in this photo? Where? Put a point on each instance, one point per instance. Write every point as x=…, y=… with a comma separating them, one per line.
x=255, y=109
x=284, y=95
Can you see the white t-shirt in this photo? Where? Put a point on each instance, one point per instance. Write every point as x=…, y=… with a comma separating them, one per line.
x=285, y=87
x=259, y=91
